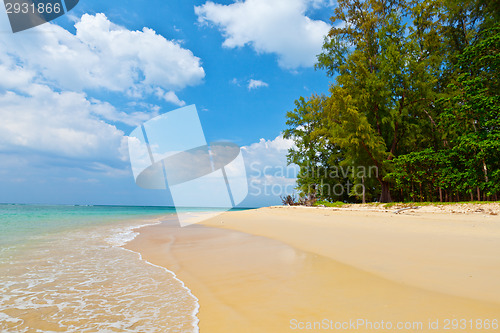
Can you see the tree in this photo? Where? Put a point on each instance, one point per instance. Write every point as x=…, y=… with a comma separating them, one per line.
x=316, y=157
x=415, y=94
x=380, y=105
x=472, y=113
x=469, y=163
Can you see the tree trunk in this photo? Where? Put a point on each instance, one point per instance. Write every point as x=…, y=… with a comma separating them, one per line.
x=385, y=196
x=364, y=189
x=440, y=195
x=485, y=170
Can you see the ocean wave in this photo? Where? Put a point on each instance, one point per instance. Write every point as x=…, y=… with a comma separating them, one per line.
x=83, y=281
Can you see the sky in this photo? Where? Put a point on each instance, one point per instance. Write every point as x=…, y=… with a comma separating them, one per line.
x=72, y=91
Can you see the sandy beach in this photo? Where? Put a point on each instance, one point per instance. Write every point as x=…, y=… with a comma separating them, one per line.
x=286, y=269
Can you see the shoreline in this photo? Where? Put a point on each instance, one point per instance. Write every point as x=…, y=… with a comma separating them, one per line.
x=491, y=208
x=195, y=312
x=128, y=234
x=81, y=278
x=251, y=270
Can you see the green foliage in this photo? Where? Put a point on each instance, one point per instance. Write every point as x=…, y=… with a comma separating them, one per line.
x=316, y=156
x=470, y=164
x=416, y=95
x=379, y=105
x=329, y=204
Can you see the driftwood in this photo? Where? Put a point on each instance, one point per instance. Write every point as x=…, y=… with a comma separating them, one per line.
x=289, y=200
x=402, y=209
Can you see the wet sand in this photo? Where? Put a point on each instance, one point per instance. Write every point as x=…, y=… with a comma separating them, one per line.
x=281, y=269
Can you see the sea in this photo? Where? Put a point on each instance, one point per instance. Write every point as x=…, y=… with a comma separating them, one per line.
x=62, y=269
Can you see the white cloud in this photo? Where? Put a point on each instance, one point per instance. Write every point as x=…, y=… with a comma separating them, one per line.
x=270, y=26
x=13, y=76
x=317, y=4
x=169, y=96
x=278, y=145
x=47, y=117
x=254, y=84
x=109, y=112
x=19, y=81
x=267, y=169
x=40, y=121
x=104, y=55
x=59, y=124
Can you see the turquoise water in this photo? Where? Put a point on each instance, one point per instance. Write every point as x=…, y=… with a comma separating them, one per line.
x=62, y=268
x=21, y=222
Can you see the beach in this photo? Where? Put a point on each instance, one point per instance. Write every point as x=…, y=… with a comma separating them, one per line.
x=286, y=269
x=62, y=269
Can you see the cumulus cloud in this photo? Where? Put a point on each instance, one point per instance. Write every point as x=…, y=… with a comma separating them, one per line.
x=269, y=152
x=58, y=124
x=254, y=84
x=47, y=75
x=19, y=81
x=270, y=26
x=102, y=54
x=317, y=4
x=169, y=96
x=268, y=173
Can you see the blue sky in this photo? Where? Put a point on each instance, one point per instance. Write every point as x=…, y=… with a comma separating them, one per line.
x=73, y=89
